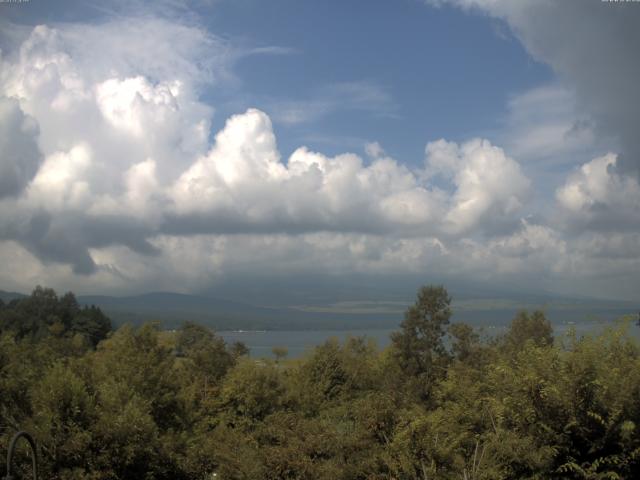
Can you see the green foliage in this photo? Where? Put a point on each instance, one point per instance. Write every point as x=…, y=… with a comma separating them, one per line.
x=160, y=405
x=208, y=353
x=279, y=353
x=45, y=314
x=419, y=346
x=466, y=346
x=63, y=415
x=251, y=392
x=528, y=327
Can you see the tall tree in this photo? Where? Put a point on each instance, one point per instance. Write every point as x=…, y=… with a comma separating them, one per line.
x=528, y=327
x=419, y=346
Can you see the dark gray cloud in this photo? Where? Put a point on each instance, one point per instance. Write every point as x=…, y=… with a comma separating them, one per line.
x=67, y=237
x=594, y=47
x=19, y=154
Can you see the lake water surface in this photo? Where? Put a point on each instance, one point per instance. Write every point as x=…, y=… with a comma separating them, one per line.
x=299, y=342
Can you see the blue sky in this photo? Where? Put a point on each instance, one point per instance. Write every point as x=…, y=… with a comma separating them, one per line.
x=149, y=144
x=434, y=72
x=423, y=59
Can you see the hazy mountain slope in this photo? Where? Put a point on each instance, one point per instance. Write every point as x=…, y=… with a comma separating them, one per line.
x=331, y=309
x=8, y=296
x=172, y=309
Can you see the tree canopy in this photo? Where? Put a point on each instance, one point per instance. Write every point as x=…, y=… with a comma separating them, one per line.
x=44, y=314
x=440, y=402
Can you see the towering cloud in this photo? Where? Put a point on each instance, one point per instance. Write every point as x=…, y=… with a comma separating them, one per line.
x=127, y=161
x=112, y=176
x=490, y=187
x=595, y=198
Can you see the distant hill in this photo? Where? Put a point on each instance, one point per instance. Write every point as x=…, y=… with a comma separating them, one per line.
x=172, y=309
x=8, y=296
x=361, y=311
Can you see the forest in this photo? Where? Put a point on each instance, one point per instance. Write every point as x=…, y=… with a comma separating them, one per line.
x=443, y=401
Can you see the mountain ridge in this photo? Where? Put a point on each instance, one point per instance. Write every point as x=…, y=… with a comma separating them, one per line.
x=172, y=309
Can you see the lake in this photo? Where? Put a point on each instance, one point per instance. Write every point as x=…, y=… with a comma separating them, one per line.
x=298, y=342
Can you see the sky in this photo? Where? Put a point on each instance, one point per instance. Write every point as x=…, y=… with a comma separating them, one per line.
x=187, y=146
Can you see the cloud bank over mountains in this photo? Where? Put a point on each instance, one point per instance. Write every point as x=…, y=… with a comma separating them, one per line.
x=112, y=179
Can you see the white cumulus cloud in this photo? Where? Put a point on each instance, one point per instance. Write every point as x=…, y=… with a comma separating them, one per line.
x=596, y=196
x=113, y=179
x=490, y=188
